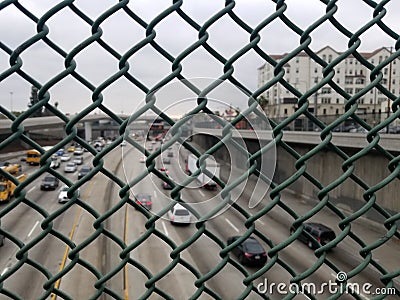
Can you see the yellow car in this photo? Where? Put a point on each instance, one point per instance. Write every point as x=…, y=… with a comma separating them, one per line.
x=71, y=149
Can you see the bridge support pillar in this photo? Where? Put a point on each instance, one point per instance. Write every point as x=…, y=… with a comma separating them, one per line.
x=88, y=131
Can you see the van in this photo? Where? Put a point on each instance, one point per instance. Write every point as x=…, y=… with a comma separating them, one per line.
x=179, y=215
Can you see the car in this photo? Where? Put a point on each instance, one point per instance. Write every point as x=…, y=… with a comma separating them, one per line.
x=123, y=144
x=49, y=182
x=71, y=149
x=144, y=200
x=84, y=171
x=166, y=186
x=179, y=214
x=249, y=252
x=70, y=167
x=78, y=160
x=322, y=233
x=65, y=157
x=78, y=151
x=62, y=196
x=142, y=159
x=60, y=152
x=55, y=162
x=170, y=154
x=166, y=160
x=163, y=169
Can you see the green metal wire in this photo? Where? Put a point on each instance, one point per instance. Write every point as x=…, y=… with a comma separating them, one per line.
x=42, y=26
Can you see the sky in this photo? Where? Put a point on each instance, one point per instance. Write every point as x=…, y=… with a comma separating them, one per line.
x=67, y=30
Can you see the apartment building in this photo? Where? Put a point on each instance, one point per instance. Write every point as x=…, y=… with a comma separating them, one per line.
x=303, y=73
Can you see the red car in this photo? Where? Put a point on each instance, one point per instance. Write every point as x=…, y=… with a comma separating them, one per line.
x=144, y=200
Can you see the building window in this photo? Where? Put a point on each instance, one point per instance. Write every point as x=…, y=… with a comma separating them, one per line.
x=324, y=111
x=361, y=72
x=337, y=111
x=385, y=71
x=348, y=90
x=337, y=100
x=337, y=80
x=350, y=71
x=348, y=80
x=326, y=90
x=315, y=70
x=360, y=81
x=357, y=90
x=285, y=111
x=370, y=101
x=338, y=70
x=350, y=61
x=329, y=58
x=297, y=60
x=372, y=61
x=297, y=70
x=324, y=57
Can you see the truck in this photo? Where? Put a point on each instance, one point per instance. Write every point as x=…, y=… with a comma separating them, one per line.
x=211, y=165
x=7, y=187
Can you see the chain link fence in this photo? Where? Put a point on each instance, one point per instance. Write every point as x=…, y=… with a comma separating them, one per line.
x=104, y=254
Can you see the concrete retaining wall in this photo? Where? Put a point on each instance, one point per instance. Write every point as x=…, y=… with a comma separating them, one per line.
x=326, y=167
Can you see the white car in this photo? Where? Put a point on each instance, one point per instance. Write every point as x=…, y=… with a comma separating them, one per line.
x=78, y=160
x=62, y=196
x=142, y=159
x=70, y=167
x=65, y=157
x=55, y=162
x=78, y=151
x=179, y=215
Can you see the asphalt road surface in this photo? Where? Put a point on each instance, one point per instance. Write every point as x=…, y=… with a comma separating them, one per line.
x=149, y=269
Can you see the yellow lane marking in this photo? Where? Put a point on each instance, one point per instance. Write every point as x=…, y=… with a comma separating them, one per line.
x=126, y=281
x=65, y=256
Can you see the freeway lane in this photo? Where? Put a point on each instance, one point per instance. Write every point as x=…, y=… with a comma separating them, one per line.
x=24, y=223
x=128, y=225
x=300, y=257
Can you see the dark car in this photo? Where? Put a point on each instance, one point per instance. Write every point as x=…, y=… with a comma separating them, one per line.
x=166, y=186
x=320, y=232
x=84, y=171
x=49, y=183
x=144, y=200
x=249, y=252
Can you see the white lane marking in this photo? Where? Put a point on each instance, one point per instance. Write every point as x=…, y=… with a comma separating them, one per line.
x=33, y=228
x=261, y=222
x=155, y=194
x=31, y=189
x=4, y=272
x=233, y=226
x=165, y=228
x=201, y=193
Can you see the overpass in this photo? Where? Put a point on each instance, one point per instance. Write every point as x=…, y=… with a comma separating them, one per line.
x=88, y=123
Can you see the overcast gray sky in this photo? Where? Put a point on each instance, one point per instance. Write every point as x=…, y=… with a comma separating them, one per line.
x=67, y=30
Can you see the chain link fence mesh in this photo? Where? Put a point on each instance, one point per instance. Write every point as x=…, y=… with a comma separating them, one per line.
x=123, y=252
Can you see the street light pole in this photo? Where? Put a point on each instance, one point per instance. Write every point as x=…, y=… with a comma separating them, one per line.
x=389, y=88
x=11, y=101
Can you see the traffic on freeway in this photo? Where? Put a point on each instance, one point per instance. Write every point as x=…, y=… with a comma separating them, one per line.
x=155, y=239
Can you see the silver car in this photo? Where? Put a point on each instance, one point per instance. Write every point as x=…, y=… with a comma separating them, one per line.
x=70, y=167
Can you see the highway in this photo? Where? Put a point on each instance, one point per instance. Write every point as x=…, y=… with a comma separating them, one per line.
x=129, y=226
